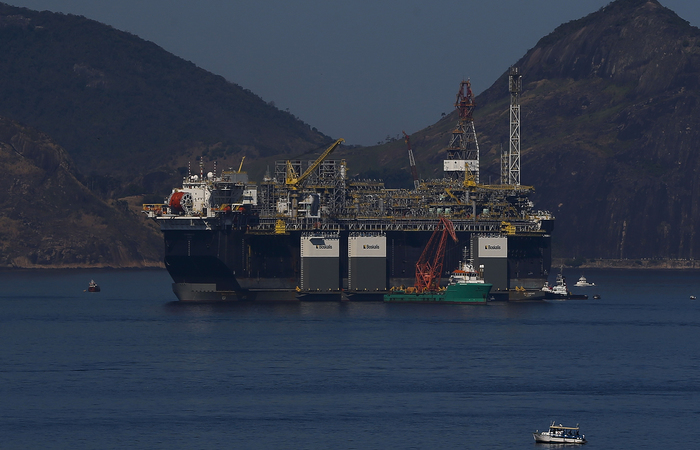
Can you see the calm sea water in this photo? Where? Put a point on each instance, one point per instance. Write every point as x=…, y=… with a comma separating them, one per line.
x=130, y=368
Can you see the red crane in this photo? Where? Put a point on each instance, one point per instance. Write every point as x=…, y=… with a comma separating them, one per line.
x=429, y=266
x=465, y=101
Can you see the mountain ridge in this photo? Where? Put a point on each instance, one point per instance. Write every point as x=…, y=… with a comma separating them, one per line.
x=631, y=194
x=609, y=123
x=120, y=103
x=610, y=118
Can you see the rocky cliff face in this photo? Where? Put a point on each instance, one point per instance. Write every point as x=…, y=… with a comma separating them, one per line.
x=610, y=130
x=49, y=219
x=612, y=121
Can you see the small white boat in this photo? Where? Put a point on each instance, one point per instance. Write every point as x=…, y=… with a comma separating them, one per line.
x=93, y=287
x=559, y=434
x=559, y=291
x=582, y=282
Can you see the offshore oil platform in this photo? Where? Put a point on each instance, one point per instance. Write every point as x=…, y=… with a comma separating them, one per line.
x=309, y=232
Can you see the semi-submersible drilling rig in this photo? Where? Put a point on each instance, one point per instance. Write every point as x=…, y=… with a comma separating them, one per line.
x=309, y=232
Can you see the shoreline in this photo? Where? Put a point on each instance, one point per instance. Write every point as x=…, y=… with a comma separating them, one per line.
x=648, y=264
x=566, y=263
x=144, y=266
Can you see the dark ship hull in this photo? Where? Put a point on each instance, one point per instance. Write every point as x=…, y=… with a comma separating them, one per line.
x=233, y=264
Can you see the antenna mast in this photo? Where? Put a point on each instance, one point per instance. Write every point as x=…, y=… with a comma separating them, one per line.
x=515, y=85
x=414, y=171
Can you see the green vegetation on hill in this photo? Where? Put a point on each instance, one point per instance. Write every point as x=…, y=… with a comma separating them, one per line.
x=49, y=219
x=123, y=107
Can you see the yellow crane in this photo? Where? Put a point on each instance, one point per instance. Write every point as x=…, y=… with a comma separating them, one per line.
x=454, y=197
x=293, y=182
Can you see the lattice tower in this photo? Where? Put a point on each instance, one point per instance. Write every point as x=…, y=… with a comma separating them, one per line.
x=515, y=86
x=505, y=164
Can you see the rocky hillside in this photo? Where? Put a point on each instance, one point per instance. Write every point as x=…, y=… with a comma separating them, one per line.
x=613, y=121
x=610, y=125
x=610, y=131
x=49, y=219
x=126, y=110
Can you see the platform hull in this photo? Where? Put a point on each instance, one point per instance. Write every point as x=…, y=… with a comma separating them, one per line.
x=207, y=292
x=569, y=296
x=231, y=265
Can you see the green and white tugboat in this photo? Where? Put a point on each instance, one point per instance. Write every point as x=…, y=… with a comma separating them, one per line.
x=465, y=286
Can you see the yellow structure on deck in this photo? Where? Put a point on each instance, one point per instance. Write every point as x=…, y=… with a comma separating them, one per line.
x=293, y=182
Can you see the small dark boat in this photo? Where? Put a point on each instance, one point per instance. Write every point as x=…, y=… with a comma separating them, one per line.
x=596, y=296
x=93, y=287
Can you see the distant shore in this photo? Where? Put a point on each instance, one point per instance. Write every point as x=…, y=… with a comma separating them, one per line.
x=567, y=263
x=660, y=264
x=146, y=265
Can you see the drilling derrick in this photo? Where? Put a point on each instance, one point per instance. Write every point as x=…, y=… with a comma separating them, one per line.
x=463, y=151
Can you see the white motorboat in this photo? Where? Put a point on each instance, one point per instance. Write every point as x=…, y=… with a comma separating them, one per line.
x=582, y=282
x=559, y=434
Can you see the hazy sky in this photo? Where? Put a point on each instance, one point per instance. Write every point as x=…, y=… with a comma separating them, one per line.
x=361, y=69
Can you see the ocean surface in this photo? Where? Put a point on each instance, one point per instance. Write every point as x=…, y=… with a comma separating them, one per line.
x=131, y=368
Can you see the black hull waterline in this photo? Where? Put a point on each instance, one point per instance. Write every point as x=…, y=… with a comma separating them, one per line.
x=232, y=265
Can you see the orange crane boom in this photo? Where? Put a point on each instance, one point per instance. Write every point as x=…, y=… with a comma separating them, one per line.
x=429, y=266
